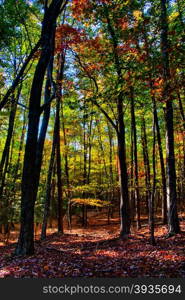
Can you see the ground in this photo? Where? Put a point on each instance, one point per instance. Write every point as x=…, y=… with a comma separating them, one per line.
x=98, y=252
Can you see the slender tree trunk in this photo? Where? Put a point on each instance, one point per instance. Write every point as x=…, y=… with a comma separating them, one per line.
x=48, y=187
x=102, y=149
x=173, y=221
x=45, y=120
x=69, y=216
x=110, y=209
x=19, y=153
x=84, y=207
x=134, y=132
x=132, y=194
x=59, y=172
x=163, y=175
x=123, y=176
x=89, y=149
x=146, y=161
x=152, y=197
x=6, y=151
x=61, y=62
x=52, y=157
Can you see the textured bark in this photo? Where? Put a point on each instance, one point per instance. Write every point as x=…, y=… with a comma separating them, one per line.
x=146, y=161
x=153, y=191
x=132, y=192
x=123, y=176
x=110, y=209
x=84, y=207
x=136, y=179
x=68, y=194
x=25, y=245
x=45, y=120
x=60, y=73
x=163, y=175
x=59, y=172
x=173, y=221
x=123, y=179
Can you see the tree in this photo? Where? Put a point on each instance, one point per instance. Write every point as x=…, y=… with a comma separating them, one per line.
x=25, y=244
x=173, y=222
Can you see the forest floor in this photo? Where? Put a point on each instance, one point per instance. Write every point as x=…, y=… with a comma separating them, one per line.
x=97, y=252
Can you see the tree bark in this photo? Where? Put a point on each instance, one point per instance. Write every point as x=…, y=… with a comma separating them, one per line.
x=146, y=161
x=134, y=133
x=163, y=175
x=152, y=196
x=173, y=221
x=25, y=245
x=123, y=176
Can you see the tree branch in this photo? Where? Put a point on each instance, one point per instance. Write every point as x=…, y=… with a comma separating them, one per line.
x=18, y=77
x=93, y=100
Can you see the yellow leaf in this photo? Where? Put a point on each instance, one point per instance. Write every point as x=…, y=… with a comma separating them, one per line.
x=137, y=14
x=173, y=16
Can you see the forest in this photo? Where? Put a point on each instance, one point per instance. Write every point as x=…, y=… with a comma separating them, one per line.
x=92, y=138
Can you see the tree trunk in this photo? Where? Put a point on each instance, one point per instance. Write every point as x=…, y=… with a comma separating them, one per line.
x=163, y=175
x=146, y=161
x=25, y=245
x=68, y=194
x=123, y=176
x=45, y=120
x=173, y=221
x=84, y=207
x=152, y=196
x=110, y=208
x=59, y=172
x=132, y=194
x=60, y=73
x=6, y=150
x=136, y=186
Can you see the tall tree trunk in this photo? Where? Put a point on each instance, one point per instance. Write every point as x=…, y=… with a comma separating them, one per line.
x=146, y=161
x=123, y=176
x=68, y=194
x=84, y=207
x=89, y=149
x=48, y=184
x=110, y=209
x=45, y=120
x=15, y=174
x=152, y=196
x=60, y=73
x=163, y=175
x=173, y=221
x=25, y=245
x=123, y=180
x=134, y=132
x=101, y=148
x=6, y=151
x=59, y=172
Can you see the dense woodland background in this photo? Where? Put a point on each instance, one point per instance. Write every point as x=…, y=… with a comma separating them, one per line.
x=92, y=124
